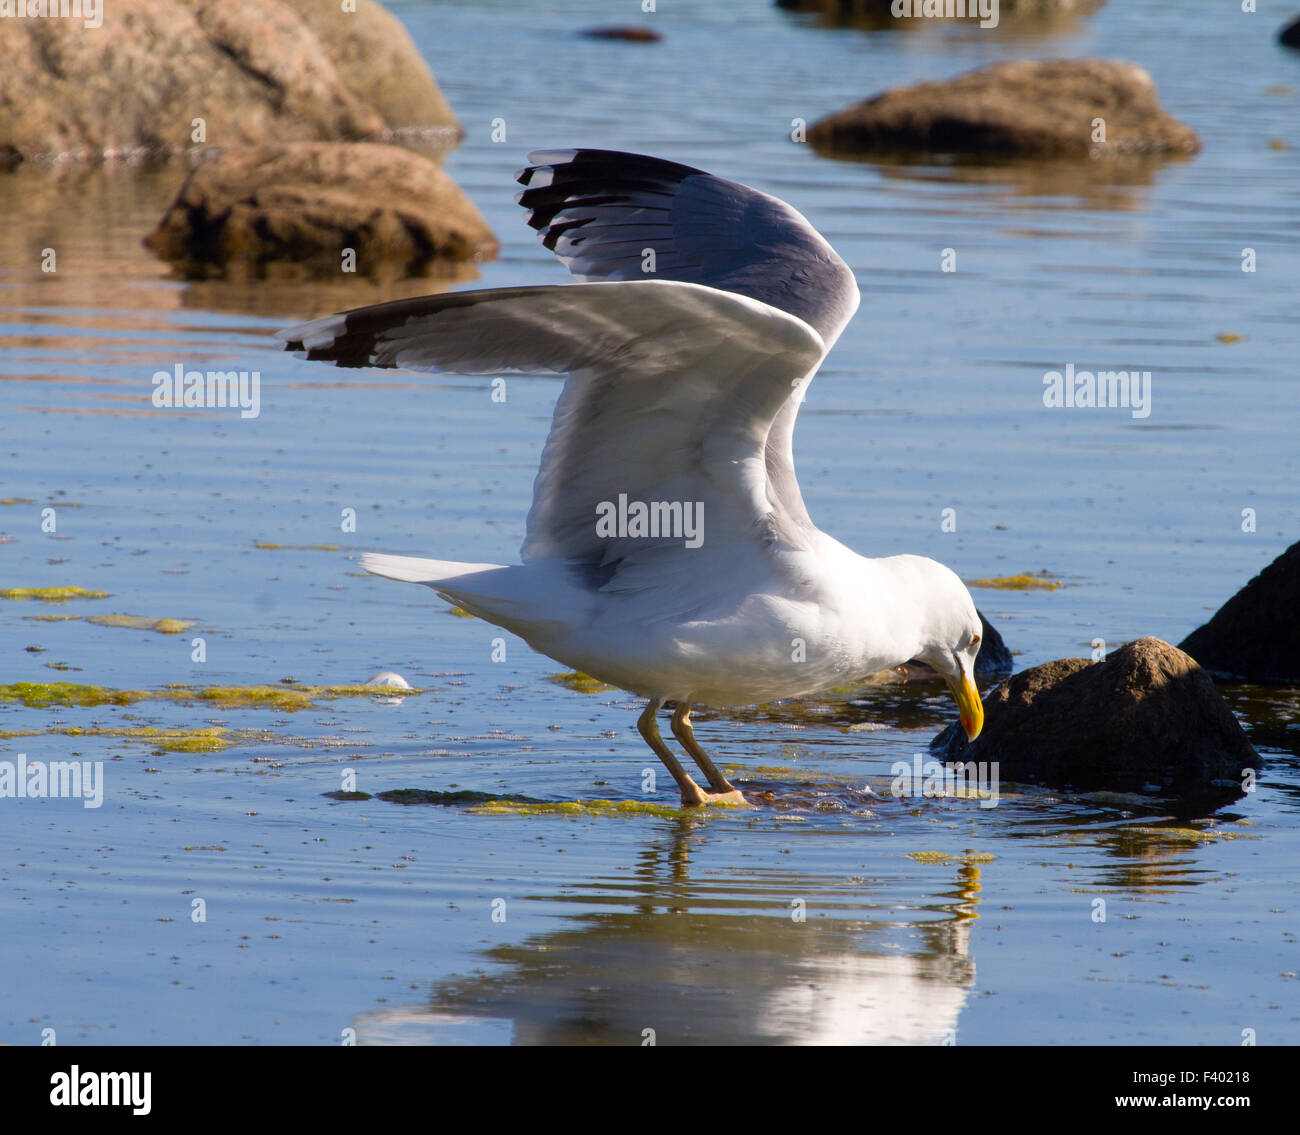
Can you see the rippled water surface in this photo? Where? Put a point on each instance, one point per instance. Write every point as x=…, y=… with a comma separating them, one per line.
x=832, y=911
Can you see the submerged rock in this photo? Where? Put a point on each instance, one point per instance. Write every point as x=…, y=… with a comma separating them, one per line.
x=914, y=13
x=1026, y=108
x=1147, y=719
x=307, y=202
x=253, y=72
x=629, y=33
x=1255, y=635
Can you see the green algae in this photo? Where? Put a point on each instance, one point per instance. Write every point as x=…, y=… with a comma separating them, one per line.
x=267, y=546
x=203, y=739
x=969, y=858
x=209, y=739
x=9, y=502
x=40, y=695
x=785, y=772
x=576, y=808
x=289, y=698
x=788, y=775
x=51, y=618
x=141, y=623
x=581, y=683
x=51, y=594
x=460, y=613
x=1186, y=835
x=1022, y=582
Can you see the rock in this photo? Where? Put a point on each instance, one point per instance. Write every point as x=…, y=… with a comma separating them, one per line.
x=255, y=72
x=994, y=658
x=1289, y=36
x=880, y=13
x=305, y=203
x=627, y=32
x=1020, y=108
x=1255, y=635
x=1147, y=718
x=380, y=65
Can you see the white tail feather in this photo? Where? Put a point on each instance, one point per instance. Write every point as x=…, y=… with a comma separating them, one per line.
x=412, y=569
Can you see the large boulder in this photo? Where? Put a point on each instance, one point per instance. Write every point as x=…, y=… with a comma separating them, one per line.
x=1255, y=635
x=1146, y=719
x=1021, y=108
x=308, y=202
x=378, y=63
x=255, y=72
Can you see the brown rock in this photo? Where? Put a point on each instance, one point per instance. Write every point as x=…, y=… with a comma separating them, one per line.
x=307, y=202
x=630, y=33
x=1255, y=635
x=1147, y=718
x=880, y=13
x=255, y=71
x=1019, y=108
x=378, y=63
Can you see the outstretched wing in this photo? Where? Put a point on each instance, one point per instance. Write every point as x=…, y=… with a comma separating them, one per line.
x=671, y=395
x=601, y=212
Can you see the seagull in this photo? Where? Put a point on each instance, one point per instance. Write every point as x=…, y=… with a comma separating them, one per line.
x=668, y=550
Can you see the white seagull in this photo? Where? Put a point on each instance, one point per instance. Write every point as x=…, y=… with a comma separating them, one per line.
x=668, y=550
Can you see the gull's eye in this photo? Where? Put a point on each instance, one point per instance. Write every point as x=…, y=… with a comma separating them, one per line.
x=974, y=640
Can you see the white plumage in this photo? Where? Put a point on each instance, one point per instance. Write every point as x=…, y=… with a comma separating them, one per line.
x=680, y=402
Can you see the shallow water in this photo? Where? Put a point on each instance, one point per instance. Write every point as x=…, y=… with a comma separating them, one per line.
x=327, y=914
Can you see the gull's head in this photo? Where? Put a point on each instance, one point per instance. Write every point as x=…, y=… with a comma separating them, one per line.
x=951, y=640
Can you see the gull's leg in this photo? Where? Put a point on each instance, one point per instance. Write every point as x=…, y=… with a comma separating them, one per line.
x=692, y=794
x=684, y=733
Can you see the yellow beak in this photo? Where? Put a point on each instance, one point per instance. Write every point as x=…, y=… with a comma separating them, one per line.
x=968, y=702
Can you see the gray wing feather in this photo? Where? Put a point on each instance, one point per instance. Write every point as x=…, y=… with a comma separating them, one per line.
x=599, y=210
